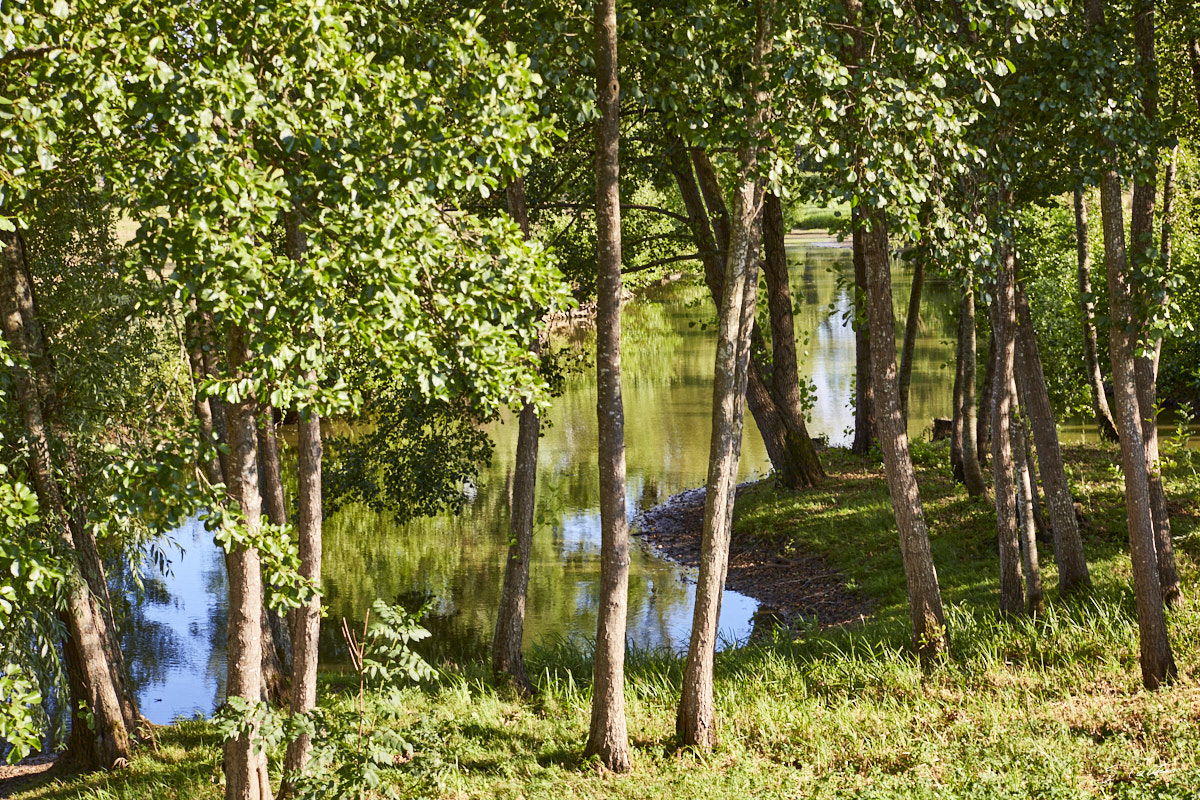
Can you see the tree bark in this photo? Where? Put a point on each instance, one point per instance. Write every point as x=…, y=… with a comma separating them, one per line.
x=97, y=686
x=1146, y=364
x=785, y=434
x=983, y=422
x=864, y=393
x=972, y=471
x=607, y=737
x=695, y=722
x=696, y=719
x=929, y=635
x=1158, y=663
x=277, y=643
x=1004, y=323
x=911, y=324
x=1073, y=573
x=1104, y=418
x=507, y=658
x=306, y=620
x=956, y=394
x=1027, y=500
x=245, y=769
x=1194, y=58
x=201, y=405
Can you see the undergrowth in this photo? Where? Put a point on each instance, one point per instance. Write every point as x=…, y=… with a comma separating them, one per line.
x=1046, y=708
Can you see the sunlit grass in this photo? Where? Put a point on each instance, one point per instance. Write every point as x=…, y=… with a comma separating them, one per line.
x=1050, y=707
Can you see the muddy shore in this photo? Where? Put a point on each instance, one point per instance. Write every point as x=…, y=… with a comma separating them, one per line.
x=790, y=587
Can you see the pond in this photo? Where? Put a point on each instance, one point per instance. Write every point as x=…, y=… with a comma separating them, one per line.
x=176, y=635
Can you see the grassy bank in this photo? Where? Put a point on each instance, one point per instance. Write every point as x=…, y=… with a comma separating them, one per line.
x=1051, y=708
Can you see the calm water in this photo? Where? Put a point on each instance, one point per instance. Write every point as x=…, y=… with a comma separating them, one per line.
x=176, y=636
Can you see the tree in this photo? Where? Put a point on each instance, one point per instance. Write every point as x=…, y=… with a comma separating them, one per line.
x=695, y=721
x=1158, y=663
x=510, y=620
x=1104, y=420
x=607, y=737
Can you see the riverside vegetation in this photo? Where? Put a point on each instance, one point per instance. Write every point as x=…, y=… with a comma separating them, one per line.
x=1048, y=707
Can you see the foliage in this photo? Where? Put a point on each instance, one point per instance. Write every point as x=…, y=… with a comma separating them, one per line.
x=1046, y=244
x=33, y=574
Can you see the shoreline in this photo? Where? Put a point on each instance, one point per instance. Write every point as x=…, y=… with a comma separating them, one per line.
x=791, y=588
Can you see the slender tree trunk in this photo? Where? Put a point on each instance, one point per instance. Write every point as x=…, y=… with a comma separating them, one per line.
x=510, y=621
x=696, y=719
x=785, y=435
x=785, y=374
x=983, y=422
x=245, y=766
x=607, y=738
x=1146, y=365
x=1042, y=527
x=277, y=643
x=972, y=471
x=1068, y=546
x=695, y=722
x=956, y=394
x=1158, y=663
x=1004, y=323
x=1034, y=605
x=864, y=394
x=911, y=324
x=96, y=682
x=1194, y=59
x=306, y=620
x=1104, y=419
x=929, y=635
x=201, y=405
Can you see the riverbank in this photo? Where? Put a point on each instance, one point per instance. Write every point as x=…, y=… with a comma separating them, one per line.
x=791, y=587
x=1023, y=708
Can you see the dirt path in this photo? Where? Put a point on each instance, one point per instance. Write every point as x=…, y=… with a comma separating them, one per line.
x=14, y=776
x=789, y=587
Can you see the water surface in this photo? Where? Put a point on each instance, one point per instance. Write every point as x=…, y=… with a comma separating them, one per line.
x=177, y=639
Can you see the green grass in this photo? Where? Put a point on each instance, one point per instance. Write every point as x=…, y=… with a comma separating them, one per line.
x=808, y=216
x=1048, y=708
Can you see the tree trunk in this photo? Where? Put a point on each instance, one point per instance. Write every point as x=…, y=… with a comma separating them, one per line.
x=983, y=422
x=1104, y=419
x=864, y=394
x=507, y=658
x=1146, y=365
x=245, y=765
x=972, y=471
x=929, y=635
x=1042, y=527
x=1034, y=605
x=1004, y=323
x=696, y=719
x=956, y=394
x=785, y=434
x=1194, y=58
x=306, y=620
x=1158, y=663
x=911, y=324
x=607, y=738
x=785, y=375
x=695, y=722
x=102, y=710
x=201, y=405
x=1068, y=546
x=277, y=643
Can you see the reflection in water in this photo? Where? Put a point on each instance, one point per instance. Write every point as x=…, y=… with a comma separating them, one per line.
x=177, y=638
